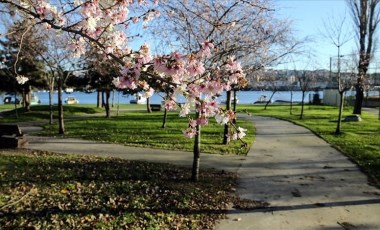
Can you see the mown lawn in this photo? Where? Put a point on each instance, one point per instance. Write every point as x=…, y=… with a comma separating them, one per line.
x=135, y=127
x=359, y=140
x=42, y=112
x=40, y=190
x=145, y=130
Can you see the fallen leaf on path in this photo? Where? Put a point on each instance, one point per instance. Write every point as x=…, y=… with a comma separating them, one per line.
x=296, y=193
x=347, y=225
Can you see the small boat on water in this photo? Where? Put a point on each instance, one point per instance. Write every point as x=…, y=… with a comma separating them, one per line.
x=69, y=90
x=35, y=100
x=71, y=101
x=139, y=99
x=262, y=100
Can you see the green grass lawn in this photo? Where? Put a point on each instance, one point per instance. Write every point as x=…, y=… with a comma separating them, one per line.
x=52, y=191
x=41, y=112
x=359, y=140
x=135, y=127
x=144, y=130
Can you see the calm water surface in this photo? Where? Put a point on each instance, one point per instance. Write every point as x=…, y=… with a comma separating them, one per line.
x=245, y=97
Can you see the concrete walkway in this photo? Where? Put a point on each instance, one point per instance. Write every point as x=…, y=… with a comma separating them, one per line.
x=308, y=184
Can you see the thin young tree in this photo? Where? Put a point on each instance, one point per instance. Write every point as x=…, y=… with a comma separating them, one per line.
x=305, y=79
x=337, y=33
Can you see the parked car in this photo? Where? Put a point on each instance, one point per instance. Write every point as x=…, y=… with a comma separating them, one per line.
x=11, y=100
x=71, y=101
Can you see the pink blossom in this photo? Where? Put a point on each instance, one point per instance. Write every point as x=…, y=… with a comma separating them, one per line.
x=91, y=24
x=239, y=134
x=192, y=123
x=116, y=82
x=202, y=121
x=78, y=47
x=149, y=92
x=21, y=79
x=205, y=50
x=221, y=118
x=135, y=19
x=185, y=110
x=189, y=132
x=170, y=105
x=195, y=68
x=194, y=90
x=211, y=108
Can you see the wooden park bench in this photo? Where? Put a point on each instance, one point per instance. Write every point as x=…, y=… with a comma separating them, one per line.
x=11, y=136
x=155, y=107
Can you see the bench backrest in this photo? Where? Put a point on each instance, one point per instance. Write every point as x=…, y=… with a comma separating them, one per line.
x=9, y=129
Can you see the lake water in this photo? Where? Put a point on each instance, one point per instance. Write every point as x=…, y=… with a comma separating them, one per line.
x=244, y=97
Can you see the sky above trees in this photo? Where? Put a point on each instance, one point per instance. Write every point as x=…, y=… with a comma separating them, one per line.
x=308, y=20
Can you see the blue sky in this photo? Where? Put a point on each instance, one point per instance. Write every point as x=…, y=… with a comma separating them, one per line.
x=308, y=17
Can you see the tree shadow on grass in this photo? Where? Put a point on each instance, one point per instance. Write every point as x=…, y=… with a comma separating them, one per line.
x=42, y=189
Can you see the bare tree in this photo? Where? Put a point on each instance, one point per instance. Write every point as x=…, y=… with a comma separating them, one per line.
x=366, y=17
x=268, y=81
x=305, y=79
x=336, y=32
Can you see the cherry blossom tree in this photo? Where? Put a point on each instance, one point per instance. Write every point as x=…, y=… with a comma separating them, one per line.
x=103, y=25
x=248, y=30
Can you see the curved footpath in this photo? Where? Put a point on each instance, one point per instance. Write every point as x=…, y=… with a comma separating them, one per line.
x=308, y=184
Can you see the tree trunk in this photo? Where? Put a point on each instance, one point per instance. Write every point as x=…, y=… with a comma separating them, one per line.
x=302, y=104
x=27, y=98
x=148, y=109
x=234, y=106
x=226, y=127
x=107, y=93
x=197, y=153
x=103, y=99
x=113, y=98
x=51, y=105
x=98, y=99
x=341, y=103
x=61, y=129
x=16, y=111
x=366, y=15
x=359, y=98
x=165, y=118
x=270, y=99
x=291, y=102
